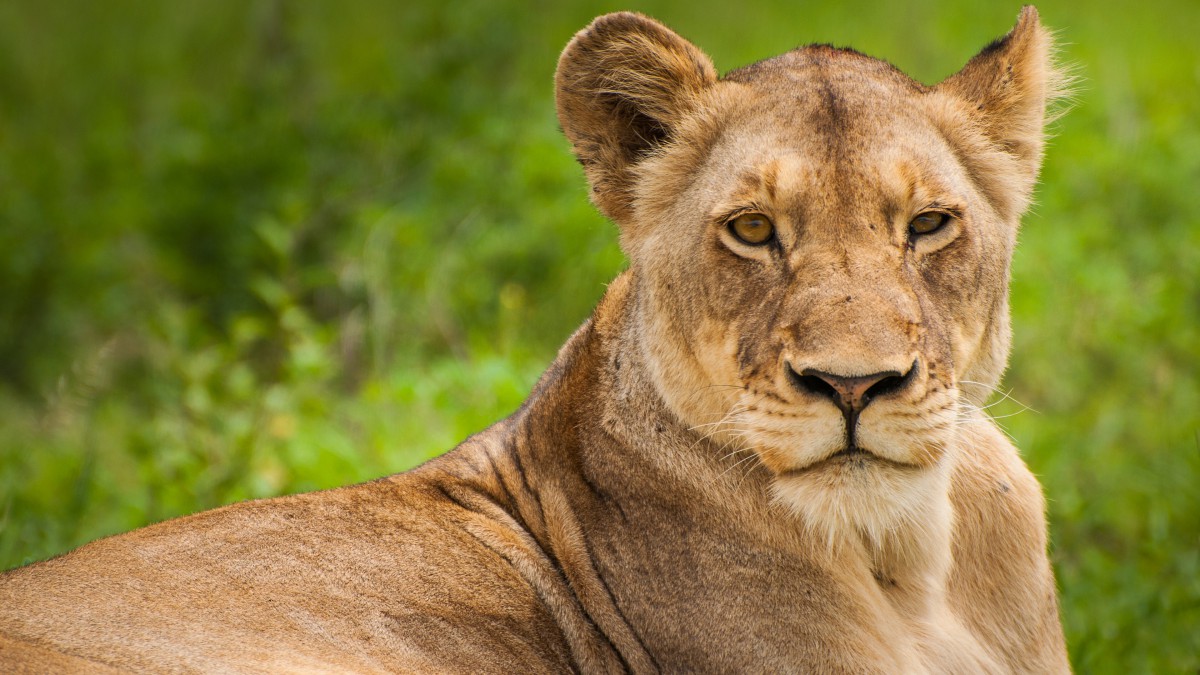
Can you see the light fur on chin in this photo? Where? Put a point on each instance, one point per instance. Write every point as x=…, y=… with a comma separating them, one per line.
x=900, y=515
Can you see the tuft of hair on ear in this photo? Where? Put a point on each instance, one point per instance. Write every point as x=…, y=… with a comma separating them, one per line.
x=1007, y=94
x=622, y=86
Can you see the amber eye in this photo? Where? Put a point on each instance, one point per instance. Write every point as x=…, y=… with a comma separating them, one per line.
x=752, y=228
x=927, y=223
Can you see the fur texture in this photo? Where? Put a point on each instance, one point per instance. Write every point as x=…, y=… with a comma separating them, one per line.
x=752, y=457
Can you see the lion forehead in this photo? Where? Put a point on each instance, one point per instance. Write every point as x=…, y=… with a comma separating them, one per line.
x=779, y=148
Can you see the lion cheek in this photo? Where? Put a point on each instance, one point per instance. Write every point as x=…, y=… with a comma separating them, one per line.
x=693, y=366
x=921, y=441
x=787, y=447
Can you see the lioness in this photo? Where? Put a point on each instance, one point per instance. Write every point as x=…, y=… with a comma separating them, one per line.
x=764, y=451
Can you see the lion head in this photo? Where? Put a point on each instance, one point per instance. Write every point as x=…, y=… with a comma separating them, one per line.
x=820, y=246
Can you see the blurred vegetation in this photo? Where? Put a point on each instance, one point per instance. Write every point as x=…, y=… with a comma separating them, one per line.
x=251, y=248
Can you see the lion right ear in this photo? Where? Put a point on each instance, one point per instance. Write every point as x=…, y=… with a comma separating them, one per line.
x=1007, y=88
x=622, y=85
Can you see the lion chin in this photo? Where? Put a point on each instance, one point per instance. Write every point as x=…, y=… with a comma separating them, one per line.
x=855, y=493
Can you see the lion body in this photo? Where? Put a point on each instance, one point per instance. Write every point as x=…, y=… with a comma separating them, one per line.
x=612, y=523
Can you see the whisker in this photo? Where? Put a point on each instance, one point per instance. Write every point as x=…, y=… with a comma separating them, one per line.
x=715, y=426
x=723, y=386
x=749, y=470
x=729, y=419
x=735, y=464
x=1005, y=395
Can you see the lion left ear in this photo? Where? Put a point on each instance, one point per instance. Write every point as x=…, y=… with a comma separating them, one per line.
x=1007, y=88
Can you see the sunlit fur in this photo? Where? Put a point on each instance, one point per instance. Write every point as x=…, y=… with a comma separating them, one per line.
x=844, y=291
x=840, y=151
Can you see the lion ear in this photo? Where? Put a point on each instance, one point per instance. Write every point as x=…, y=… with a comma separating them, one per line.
x=1007, y=87
x=622, y=85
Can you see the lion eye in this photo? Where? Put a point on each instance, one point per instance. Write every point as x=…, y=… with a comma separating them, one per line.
x=927, y=223
x=752, y=228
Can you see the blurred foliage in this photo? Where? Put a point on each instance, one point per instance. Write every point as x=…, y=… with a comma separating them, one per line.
x=250, y=248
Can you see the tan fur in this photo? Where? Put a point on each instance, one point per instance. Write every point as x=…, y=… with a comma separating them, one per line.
x=673, y=496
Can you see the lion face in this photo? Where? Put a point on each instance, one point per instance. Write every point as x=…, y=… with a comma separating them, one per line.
x=821, y=246
x=832, y=348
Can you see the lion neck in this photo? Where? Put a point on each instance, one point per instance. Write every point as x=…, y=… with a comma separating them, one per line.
x=641, y=373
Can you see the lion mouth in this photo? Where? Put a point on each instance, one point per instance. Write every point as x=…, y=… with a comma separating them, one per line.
x=851, y=453
x=851, y=457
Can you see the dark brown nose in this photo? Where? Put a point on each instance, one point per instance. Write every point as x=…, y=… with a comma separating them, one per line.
x=852, y=394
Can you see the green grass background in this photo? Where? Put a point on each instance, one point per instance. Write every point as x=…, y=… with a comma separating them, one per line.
x=253, y=248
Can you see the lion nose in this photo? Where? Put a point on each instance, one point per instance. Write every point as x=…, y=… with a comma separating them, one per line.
x=852, y=394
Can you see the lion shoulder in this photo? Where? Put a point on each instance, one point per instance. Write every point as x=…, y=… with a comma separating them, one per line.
x=1001, y=583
